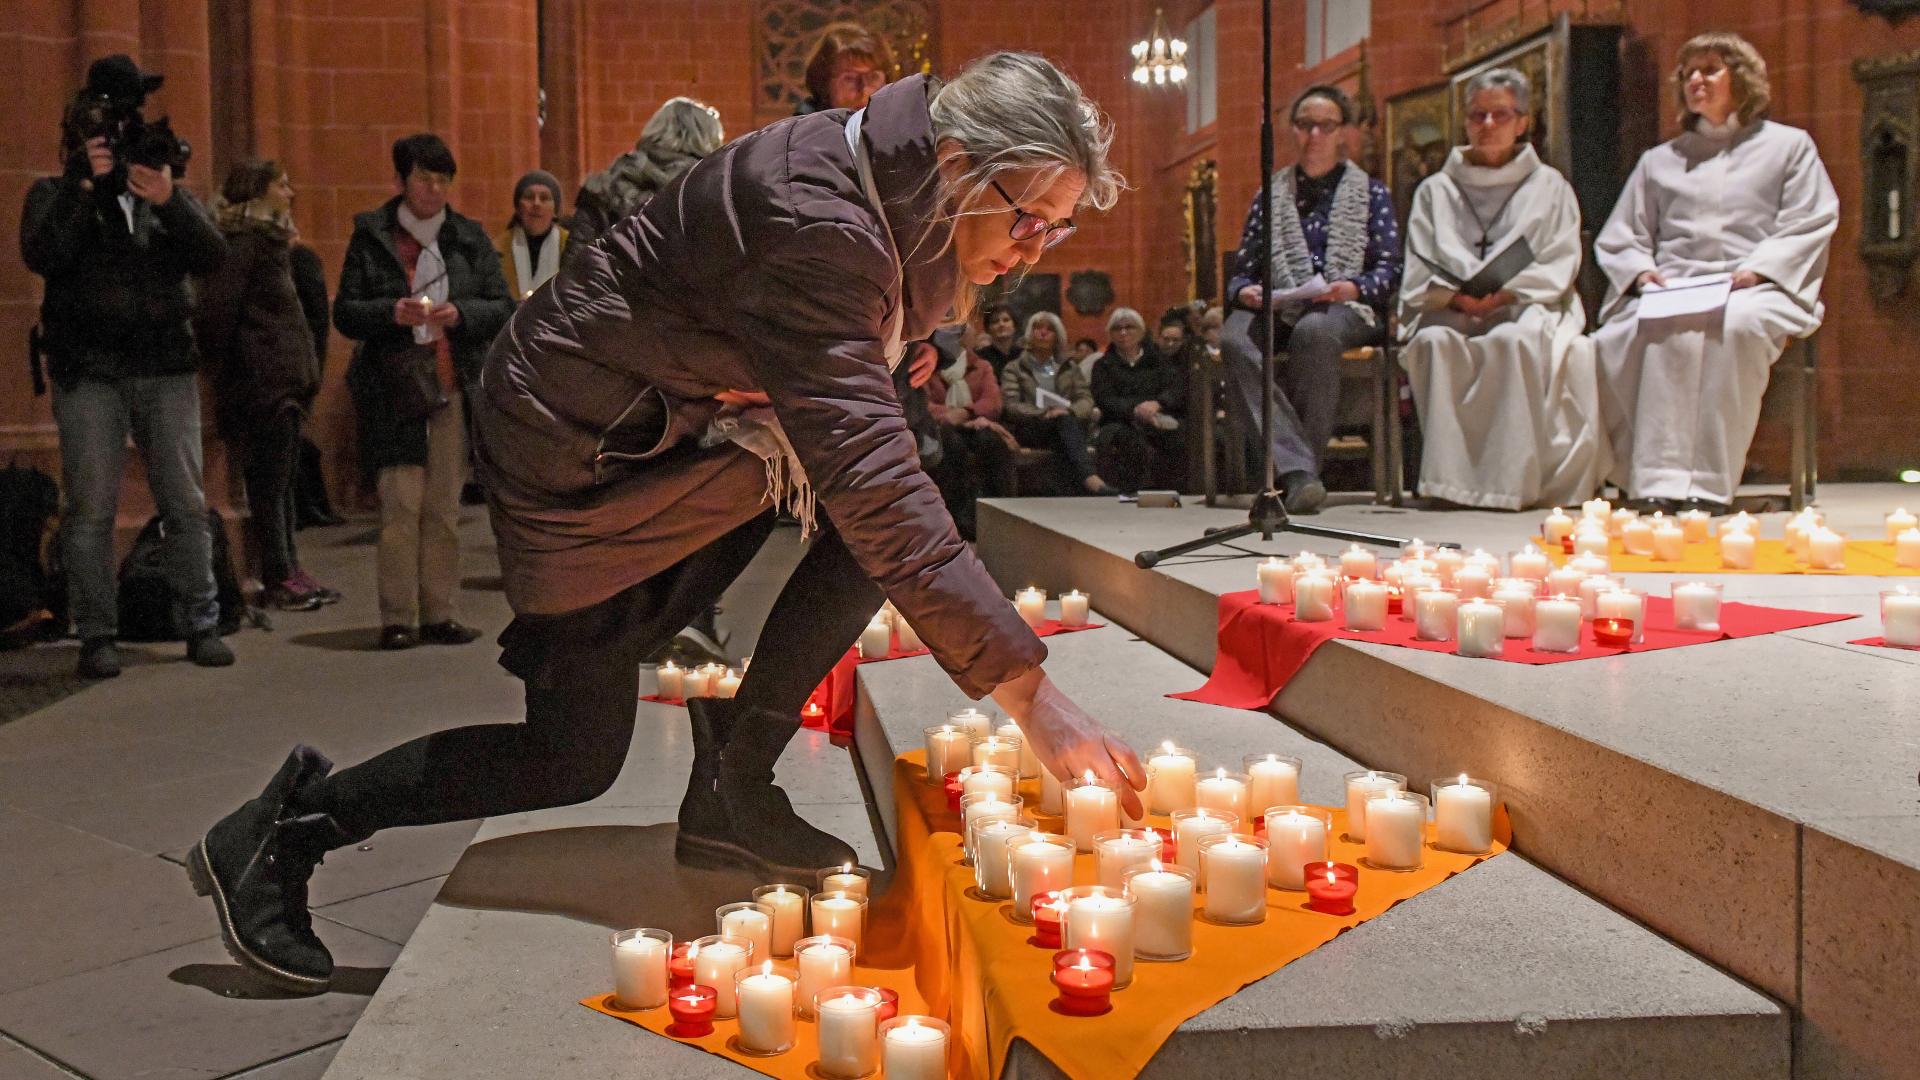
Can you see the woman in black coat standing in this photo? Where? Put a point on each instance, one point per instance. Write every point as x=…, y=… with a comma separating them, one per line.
x=422, y=293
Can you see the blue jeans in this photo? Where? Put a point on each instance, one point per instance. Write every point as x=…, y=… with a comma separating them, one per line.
x=162, y=413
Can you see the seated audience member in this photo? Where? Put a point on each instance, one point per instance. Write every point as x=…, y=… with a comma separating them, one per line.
x=1505, y=386
x=1172, y=334
x=532, y=243
x=1210, y=324
x=1334, y=223
x=1051, y=426
x=1736, y=194
x=963, y=397
x=1141, y=396
x=1002, y=328
x=677, y=136
x=1085, y=352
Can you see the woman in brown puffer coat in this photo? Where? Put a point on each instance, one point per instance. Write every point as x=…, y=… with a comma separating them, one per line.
x=726, y=352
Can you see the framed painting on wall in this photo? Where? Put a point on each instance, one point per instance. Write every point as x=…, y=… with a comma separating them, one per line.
x=1419, y=133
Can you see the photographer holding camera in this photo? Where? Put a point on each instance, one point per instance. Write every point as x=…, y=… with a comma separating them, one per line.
x=116, y=241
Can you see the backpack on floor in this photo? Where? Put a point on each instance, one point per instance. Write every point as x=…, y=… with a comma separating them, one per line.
x=32, y=592
x=146, y=598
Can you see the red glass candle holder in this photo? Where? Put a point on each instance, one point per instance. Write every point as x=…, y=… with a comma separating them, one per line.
x=889, y=1005
x=1566, y=544
x=1084, y=978
x=813, y=713
x=680, y=967
x=1613, y=633
x=1169, y=847
x=1047, y=914
x=1331, y=887
x=1395, y=600
x=692, y=1009
x=954, y=791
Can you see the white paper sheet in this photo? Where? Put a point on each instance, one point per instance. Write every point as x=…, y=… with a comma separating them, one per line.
x=1685, y=296
x=1044, y=398
x=1307, y=290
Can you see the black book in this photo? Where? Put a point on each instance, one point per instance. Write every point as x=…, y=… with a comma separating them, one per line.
x=1492, y=277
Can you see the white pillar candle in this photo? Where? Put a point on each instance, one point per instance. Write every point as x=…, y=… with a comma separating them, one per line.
x=876, y=641
x=728, y=684
x=1669, y=541
x=1906, y=549
x=765, y=1004
x=1618, y=521
x=914, y=1049
x=1826, y=549
x=1052, y=793
x=1366, y=605
x=976, y=724
x=1313, y=597
x=1590, y=589
x=1696, y=606
x=1433, y=614
x=668, y=680
x=1463, y=816
x=1225, y=792
x=1396, y=827
x=1473, y=582
x=751, y=924
x=1530, y=563
x=1092, y=807
x=715, y=965
x=1596, y=509
x=1737, y=550
x=1358, y=562
x=1117, y=852
x=992, y=869
x=1170, y=784
x=986, y=780
x=909, y=640
x=1900, y=618
x=840, y=915
x=696, y=683
x=1447, y=561
x=640, y=968
x=847, y=879
x=1306, y=561
x=823, y=964
x=1556, y=624
x=1565, y=581
x=1360, y=785
x=1162, y=911
x=1295, y=837
x=1272, y=780
x=1073, y=608
x=1899, y=521
x=1276, y=581
x=1557, y=526
x=1485, y=560
x=1516, y=602
x=1043, y=862
x=1696, y=526
x=1192, y=826
x=1029, y=761
x=948, y=751
x=1480, y=628
x=1233, y=874
x=1001, y=750
x=789, y=906
x=1591, y=542
x=1592, y=563
x=1741, y=522
x=1031, y=603
x=1102, y=921
x=1636, y=536
x=1624, y=604
x=850, y=1035
x=978, y=808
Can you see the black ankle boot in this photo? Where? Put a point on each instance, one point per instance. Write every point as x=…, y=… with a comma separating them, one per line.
x=760, y=815
x=705, y=840
x=255, y=864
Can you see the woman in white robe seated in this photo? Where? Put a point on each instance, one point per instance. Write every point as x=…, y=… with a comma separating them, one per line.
x=1504, y=384
x=1734, y=194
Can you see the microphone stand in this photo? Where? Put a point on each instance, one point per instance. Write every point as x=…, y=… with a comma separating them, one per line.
x=1268, y=514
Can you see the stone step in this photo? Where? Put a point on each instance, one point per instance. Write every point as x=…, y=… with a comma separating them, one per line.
x=1501, y=972
x=1751, y=800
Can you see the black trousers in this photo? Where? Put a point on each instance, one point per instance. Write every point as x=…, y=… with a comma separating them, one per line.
x=971, y=464
x=581, y=671
x=268, y=456
x=1133, y=456
x=1066, y=436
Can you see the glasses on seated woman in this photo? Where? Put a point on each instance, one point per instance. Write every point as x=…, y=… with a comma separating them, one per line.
x=1027, y=226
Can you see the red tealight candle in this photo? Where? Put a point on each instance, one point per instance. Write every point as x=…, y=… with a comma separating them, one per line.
x=1331, y=887
x=1047, y=913
x=889, y=1005
x=680, y=966
x=954, y=791
x=1393, y=599
x=1566, y=544
x=1169, y=847
x=1085, y=980
x=1613, y=633
x=692, y=1008
x=813, y=712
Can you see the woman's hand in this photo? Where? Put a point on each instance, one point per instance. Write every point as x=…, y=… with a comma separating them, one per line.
x=1252, y=296
x=1340, y=292
x=957, y=416
x=1053, y=414
x=1649, y=277
x=408, y=311
x=1746, y=279
x=444, y=315
x=920, y=364
x=1146, y=411
x=1070, y=743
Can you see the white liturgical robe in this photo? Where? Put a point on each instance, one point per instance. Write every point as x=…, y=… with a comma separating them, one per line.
x=1509, y=403
x=1681, y=396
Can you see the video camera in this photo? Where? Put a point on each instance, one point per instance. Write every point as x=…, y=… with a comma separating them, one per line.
x=109, y=107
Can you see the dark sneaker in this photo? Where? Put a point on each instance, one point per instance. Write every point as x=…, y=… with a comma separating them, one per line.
x=1304, y=492
x=207, y=650
x=289, y=596
x=398, y=637
x=307, y=584
x=448, y=633
x=99, y=659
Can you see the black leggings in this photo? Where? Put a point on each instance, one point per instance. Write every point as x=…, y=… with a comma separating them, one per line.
x=581, y=671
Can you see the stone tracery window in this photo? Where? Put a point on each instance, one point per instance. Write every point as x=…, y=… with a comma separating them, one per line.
x=787, y=30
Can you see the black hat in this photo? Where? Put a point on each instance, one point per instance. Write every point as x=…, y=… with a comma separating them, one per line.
x=117, y=77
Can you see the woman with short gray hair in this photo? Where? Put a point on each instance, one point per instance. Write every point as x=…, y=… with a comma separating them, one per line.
x=724, y=354
x=1047, y=403
x=675, y=137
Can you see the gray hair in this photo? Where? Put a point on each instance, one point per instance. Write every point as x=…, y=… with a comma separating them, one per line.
x=1512, y=80
x=1053, y=322
x=1122, y=316
x=684, y=126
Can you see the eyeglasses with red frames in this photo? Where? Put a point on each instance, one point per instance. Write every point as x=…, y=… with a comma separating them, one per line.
x=1026, y=226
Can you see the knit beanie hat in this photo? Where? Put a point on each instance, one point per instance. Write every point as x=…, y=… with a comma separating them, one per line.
x=542, y=178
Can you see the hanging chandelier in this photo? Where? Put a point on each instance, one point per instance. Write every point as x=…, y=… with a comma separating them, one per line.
x=1161, y=58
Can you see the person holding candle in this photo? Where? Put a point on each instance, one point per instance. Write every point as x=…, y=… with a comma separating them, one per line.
x=716, y=357
x=1504, y=383
x=1734, y=194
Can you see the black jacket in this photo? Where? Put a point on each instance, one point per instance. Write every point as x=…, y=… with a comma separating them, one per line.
x=310, y=284
x=1117, y=388
x=372, y=279
x=253, y=330
x=117, y=302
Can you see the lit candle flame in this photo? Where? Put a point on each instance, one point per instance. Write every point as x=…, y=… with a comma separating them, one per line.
x=1330, y=878
x=1157, y=868
x=1167, y=747
x=1089, y=777
x=693, y=950
x=1220, y=773
x=1463, y=779
x=767, y=968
